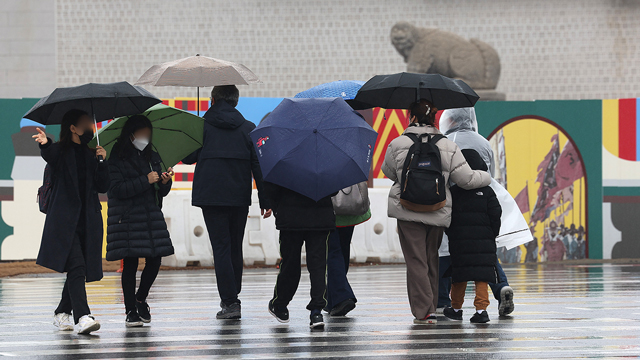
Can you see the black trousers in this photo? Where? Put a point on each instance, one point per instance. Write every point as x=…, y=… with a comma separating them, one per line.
x=74, y=293
x=338, y=287
x=149, y=274
x=316, y=243
x=225, y=225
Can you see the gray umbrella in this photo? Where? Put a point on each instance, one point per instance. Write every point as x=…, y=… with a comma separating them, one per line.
x=198, y=71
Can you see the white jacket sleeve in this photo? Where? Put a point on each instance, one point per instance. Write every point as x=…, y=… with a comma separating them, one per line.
x=389, y=166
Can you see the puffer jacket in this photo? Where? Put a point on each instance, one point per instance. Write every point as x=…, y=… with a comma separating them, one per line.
x=454, y=168
x=135, y=223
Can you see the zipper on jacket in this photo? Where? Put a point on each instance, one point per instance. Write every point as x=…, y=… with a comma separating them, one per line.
x=437, y=187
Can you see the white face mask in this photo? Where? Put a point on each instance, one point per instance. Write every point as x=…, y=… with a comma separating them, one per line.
x=140, y=144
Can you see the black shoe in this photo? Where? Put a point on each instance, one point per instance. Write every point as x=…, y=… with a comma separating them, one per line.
x=317, y=321
x=481, y=318
x=343, y=308
x=143, y=311
x=133, y=319
x=281, y=314
x=229, y=312
x=452, y=314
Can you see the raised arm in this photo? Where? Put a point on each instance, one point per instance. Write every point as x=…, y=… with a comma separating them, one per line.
x=463, y=176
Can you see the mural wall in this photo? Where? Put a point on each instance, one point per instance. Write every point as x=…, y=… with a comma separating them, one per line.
x=569, y=164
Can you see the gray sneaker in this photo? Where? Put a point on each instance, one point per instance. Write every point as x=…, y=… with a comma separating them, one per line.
x=506, y=306
x=229, y=312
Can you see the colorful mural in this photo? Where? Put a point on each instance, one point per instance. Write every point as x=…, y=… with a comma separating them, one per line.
x=546, y=177
x=598, y=191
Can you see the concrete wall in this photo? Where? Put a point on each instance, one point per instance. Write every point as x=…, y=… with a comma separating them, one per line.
x=27, y=48
x=569, y=49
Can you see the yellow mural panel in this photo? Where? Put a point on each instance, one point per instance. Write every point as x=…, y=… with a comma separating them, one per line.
x=610, y=125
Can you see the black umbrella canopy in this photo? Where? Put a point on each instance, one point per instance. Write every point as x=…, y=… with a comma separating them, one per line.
x=399, y=91
x=104, y=101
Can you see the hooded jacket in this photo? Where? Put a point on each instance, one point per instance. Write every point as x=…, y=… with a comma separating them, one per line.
x=454, y=167
x=461, y=127
x=475, y=224
x=226, y=161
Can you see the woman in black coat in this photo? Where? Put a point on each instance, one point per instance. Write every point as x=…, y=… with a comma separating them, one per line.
x=72, y=235
x=136, y=227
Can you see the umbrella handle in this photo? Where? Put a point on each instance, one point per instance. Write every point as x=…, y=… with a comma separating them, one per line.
x=95, y=123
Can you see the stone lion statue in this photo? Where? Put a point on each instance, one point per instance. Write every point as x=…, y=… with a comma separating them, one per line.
x=429, y=50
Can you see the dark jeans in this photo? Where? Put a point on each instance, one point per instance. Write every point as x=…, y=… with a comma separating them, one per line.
x=225, y=225
x=74, y=293
x=129, y=269
x=338, y=288
x=502, y=282
x=444, y=288
x=316, y=243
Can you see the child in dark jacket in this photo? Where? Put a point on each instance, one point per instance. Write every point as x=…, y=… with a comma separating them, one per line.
x=475, y=224
x=301, y=220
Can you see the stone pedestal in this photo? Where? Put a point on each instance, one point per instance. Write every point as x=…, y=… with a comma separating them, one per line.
x=491, y=95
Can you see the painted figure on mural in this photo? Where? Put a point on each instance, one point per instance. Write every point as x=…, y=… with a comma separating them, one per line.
x=553, y=247
x=532, y=248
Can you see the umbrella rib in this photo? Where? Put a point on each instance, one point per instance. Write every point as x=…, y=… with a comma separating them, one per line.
x=189, y=136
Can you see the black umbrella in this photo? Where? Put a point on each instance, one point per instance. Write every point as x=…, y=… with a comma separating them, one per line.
x=399, y=91
x=103, y=101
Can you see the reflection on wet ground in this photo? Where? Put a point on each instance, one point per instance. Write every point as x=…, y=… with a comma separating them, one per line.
x=563, y=311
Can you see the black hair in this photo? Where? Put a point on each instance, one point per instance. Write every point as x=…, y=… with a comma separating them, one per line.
x=474, y=160
x=71, y=117
x=424, y=111
x=228, y=93
x=123, y=148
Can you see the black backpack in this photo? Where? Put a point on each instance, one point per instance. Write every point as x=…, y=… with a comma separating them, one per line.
x=423, y=185
x=44, y=192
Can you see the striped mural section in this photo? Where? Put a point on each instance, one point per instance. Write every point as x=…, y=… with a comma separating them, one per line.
x=621, y=127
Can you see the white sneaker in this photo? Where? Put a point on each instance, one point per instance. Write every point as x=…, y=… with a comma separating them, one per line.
x=87, y=324
x=62, y=322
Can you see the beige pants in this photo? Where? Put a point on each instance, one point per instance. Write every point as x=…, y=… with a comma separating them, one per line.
x=420, y=243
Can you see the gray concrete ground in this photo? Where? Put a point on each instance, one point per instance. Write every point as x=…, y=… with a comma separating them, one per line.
x=562, y=311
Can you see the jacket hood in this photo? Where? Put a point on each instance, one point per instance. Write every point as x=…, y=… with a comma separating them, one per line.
x=453, y=120
x=223, y=115
x=421, y=129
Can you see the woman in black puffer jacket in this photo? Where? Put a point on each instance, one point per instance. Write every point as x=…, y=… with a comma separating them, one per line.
x=136, y=227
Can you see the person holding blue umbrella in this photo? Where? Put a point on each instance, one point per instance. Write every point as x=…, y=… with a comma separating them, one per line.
x=309, y=149
x=351, y=206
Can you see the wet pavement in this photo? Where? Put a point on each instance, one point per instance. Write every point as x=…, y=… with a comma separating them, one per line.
x=565, y=311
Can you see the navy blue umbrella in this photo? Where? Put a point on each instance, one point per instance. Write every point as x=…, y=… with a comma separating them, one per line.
x=314, y=146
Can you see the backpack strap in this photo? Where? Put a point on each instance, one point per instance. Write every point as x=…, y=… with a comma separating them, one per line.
x=417, y=140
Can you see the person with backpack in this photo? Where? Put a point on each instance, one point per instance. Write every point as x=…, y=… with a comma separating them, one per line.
x=475, y=224
x=135, y=225
x=421, y=163
x=301, y=220
x=351, y=206
x=72, y=234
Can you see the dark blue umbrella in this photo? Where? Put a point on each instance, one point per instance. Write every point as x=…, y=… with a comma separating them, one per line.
x=314, y=146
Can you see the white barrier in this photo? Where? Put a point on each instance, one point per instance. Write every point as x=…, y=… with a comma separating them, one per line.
x=375, y=240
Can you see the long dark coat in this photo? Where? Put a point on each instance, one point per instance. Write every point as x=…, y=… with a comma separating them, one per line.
x=135, y=223
x=64, y=210
x=475, y=224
